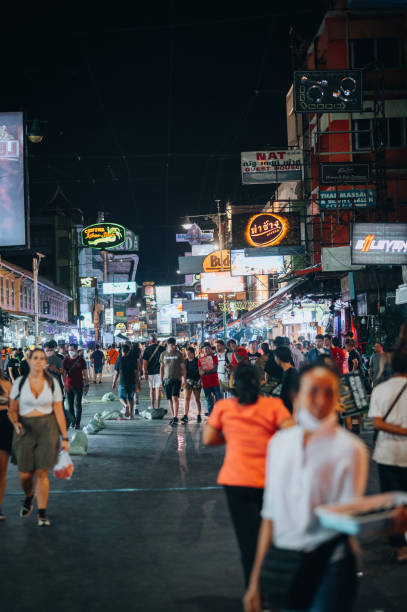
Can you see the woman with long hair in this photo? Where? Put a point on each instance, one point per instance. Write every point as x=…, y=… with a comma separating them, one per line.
x=38, y=419
x=6, y=435
x=193, y=384
x=245, y=424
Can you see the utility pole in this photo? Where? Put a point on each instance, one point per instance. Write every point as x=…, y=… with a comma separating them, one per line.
x=36, y=265
x=220, y=233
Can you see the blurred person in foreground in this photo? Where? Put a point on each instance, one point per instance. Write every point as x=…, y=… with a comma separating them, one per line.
x=316, y=462
x=245, y=424
x=388, y=408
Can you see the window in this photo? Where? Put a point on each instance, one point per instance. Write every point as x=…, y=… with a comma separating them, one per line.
x=396, y=132
x=362, y=134
x=2, y=289
x=7, y=291
x=12, y=292
x=386, y=51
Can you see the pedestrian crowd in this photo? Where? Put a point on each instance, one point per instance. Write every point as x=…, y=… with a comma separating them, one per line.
x=275, y=407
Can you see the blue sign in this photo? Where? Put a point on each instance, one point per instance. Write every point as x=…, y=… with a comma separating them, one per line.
x=346, y=198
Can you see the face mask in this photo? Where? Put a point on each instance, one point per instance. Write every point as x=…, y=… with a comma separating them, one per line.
x=72, y=354
x=311, y=423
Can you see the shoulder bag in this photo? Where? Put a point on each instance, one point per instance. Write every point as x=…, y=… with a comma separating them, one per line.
x=376, y=432
x=153, y=353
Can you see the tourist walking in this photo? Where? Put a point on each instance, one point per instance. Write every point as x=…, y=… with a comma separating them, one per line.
x=112, y=355
x=314, y=463
x=374, y=363
x=173, y=374
x=245, y=424
x=223, y=372
x=6, y=435
x=76, y=380
x=151, y=370
x=126, y=371
x=97, y=359
x=193, y=384
x=38, y=419
x=13, y=366
x=388, y=408
x=208, y=369
x=290, y=378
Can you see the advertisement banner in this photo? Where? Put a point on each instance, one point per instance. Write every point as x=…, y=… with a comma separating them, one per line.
x=265, y=229
x=221, y=282
x=217, y=262
x=13, y=226
x=338, y=173
x=113, y=288
x=103, y=235
x=328, y=91
x=259, y=167
x=242, y=265
x=346, y=198
x=379, y=244
x=194, y=235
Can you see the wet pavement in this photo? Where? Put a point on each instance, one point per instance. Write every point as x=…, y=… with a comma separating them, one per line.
x=143, y=526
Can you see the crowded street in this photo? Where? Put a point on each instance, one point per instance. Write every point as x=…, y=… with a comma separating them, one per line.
x=143, y=525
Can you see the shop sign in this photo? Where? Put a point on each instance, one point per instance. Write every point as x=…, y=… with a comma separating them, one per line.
x=217, y=262
x=337, y=173
x=119, y=313
x=113, y=288
x=379, y=243
x=87, y=282
x=195, y=236
x=131, y=242
x=149, y=291
x=265, y=229
x=108, y=316
x=328, y=91
x=103, y=235
x=346, y=198
x=146, y=283
x=259, y=167
x=120, y=327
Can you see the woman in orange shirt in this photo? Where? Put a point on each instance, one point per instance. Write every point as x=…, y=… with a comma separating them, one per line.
x=245, y=424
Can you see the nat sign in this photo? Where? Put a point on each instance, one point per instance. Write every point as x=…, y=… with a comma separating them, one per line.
x=276, y=166
x=327, y=91
x=379, y=243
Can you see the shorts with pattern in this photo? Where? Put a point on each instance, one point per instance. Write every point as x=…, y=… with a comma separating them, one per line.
x=194, y=384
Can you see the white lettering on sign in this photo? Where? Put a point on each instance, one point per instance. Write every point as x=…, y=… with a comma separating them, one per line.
x=388, y=246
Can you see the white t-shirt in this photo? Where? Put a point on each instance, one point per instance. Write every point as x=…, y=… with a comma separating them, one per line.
x=391, y=449
x=332, y=468
x=222, y=373
x=27, y=402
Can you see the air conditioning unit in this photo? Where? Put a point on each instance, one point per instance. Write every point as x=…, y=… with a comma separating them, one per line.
x=401, y=294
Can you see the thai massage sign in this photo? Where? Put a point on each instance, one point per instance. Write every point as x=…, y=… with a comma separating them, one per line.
x=265, y=229
x=103, y=235
x=260, y=167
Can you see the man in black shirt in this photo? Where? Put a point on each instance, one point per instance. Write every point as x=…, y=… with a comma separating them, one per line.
x=126, y=368
x=13, y=366
x=253, y=352
x=354, y=357
x=290, y=378
x=151, y=369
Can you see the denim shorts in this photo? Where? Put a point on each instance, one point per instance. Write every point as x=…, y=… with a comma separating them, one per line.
x=126, y=392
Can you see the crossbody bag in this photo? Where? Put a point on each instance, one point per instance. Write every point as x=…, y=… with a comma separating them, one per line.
x=376, y=432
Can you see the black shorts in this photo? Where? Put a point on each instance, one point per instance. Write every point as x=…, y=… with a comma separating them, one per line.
x=6, y=432
x=172, y=387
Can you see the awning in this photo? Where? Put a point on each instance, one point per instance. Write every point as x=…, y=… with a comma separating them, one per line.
x=270, y=304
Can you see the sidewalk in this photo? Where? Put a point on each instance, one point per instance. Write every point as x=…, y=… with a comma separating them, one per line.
x=143, y=526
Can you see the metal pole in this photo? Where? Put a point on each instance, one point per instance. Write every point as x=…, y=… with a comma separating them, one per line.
x=36, y=311
x=220, y=232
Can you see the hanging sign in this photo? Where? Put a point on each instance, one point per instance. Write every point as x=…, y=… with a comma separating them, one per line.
x=346, y=198
x=379, y=243
x=103, y=235
x=265, y=229
x=195, y=236
x=112, y=288
x=259, y=167
x=217, y=262
x=328, y=91
x=87, y=282
x=337, y=173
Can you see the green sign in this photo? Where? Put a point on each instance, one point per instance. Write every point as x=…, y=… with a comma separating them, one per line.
x=103, y=235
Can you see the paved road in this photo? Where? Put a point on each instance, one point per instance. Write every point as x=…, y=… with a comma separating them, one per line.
x=142, y=526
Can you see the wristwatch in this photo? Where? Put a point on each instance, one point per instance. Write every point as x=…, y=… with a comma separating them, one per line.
x=65, y=439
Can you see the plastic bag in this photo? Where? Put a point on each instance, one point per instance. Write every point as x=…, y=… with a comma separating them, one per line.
x=109, y=397
x=79, y=444
x=64, y=466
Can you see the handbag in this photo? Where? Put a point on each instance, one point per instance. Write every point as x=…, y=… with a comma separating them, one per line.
x=289, y=578
x=376, y=431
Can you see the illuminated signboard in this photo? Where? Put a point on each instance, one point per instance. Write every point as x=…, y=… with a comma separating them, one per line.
x=103, y=235
x=346, y=198
x=213, y=263
x=221, y=282
x=259, y=167
x=242, y=265
x=87, y=282
x=113, y=288
x=327, y=91
x=265, y=229
x=13, y=226
x=379, y=243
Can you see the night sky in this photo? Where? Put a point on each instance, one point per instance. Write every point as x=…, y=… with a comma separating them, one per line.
x=147, y=110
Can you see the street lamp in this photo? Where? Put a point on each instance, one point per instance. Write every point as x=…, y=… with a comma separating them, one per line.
x=187, y=225
x=36, y=265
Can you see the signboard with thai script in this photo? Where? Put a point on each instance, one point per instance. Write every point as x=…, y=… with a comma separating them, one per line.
x=265, y=229
x=338, y=173
x=379, y=243
x=259, y=167
x=13, y=226
x=346, y=198
x=328, y=91
x=103, y=235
